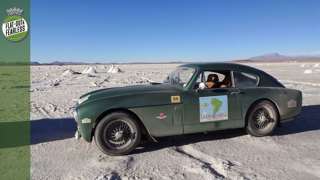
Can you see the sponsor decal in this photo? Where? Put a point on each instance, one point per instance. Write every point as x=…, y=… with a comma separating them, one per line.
x=14, y=26
x=175, y=99
x=213, y=108
x=162, y=116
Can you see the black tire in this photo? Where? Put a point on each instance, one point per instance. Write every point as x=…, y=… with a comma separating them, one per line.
x=117, y=134
x=262, y=119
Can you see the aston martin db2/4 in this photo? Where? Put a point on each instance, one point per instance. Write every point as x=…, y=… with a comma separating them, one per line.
x=194, y=98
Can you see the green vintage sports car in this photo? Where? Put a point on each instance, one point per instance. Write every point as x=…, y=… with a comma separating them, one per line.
x=194, y=98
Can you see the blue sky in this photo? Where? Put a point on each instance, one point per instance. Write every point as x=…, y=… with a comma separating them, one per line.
x=171, y=30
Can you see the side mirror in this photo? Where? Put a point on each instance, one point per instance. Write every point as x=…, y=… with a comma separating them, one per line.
x=202, y=86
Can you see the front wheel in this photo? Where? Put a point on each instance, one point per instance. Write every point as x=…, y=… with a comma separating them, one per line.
x=262, y=119
x=117, y=134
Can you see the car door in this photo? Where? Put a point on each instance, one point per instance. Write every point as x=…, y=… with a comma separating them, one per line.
x=212, y=109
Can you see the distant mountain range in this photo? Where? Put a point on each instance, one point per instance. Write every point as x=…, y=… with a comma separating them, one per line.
x=272, y=57
x=276, y=57
x=84, y=63
x=58, y=63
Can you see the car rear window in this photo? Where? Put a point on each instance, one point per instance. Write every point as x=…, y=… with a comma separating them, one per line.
x=243, y=80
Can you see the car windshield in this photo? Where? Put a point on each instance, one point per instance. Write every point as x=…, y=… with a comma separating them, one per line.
x=181, y=76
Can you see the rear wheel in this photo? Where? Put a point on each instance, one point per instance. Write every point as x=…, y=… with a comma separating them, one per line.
x=262, y=119
x=117, y=134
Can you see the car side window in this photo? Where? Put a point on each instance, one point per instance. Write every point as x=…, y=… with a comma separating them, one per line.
x=214, y=79
x=243, y=80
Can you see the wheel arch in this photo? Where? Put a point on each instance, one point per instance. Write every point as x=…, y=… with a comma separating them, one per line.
x=258, y=101
x=145, y=132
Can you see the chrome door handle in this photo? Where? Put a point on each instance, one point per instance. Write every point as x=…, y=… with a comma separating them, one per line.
x=236, y=92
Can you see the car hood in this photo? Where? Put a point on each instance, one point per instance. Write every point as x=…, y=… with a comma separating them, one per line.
x=130, y=90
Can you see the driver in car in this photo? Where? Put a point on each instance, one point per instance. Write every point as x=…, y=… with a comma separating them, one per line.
x=212, y=81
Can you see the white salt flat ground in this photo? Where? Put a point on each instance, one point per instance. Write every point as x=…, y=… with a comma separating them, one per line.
x=292, y=153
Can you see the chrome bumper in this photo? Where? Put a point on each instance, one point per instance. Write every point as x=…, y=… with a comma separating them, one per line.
x=77, y=135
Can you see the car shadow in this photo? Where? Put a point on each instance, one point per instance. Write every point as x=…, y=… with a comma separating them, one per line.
x=46, y=130
x=22, y=133
x=308, y=120
x=181, y=140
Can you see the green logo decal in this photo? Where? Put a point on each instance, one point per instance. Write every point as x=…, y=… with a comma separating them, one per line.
x=216, y=104
x=14, y=26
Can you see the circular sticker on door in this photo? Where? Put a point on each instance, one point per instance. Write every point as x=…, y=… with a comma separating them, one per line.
x=14, y=26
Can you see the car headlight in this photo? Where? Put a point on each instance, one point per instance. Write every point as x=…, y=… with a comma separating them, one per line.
x=83, y=99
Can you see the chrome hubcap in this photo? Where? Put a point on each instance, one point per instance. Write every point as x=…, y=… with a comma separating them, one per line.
x=119, y=134
x=262, y=119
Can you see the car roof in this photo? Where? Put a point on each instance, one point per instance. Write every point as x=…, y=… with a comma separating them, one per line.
x=222, y=66
x=265, y=78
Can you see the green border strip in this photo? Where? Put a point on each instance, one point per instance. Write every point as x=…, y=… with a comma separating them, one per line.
x=15, y=100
